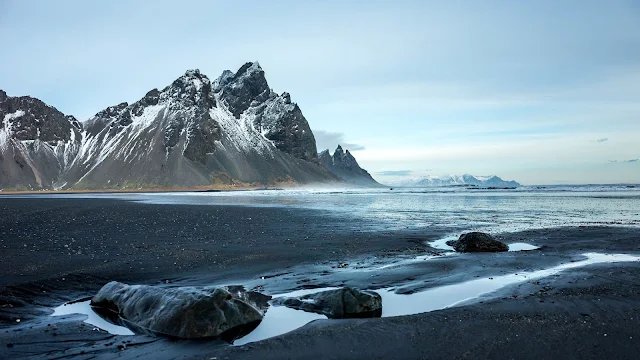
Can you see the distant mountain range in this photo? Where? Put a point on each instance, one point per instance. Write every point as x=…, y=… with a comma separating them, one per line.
x=453, y=180
x=194, y=132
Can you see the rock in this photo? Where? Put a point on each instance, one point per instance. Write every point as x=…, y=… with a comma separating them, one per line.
x=337, y=304
x=184, y=312
x=477, y=242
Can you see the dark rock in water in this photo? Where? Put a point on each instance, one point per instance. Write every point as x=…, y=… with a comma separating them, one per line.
x=185, y=312
x=336, y=304
x=477, y=242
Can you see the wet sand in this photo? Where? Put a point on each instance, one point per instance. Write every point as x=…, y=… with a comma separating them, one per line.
x=58, y=250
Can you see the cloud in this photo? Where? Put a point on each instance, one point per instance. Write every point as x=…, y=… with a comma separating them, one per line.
x=632, y=161
x=601, y=140
x=395, y=173
x=331, y=140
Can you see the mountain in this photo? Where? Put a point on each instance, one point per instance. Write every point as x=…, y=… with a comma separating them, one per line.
x=194, y=132
x=37, y=142
x=345, y=166
x=452, y=180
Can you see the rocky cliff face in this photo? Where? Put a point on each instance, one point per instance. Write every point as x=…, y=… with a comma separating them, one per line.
x=37, y=143
x=275, y=116
x=345, y=166
x=193, y=132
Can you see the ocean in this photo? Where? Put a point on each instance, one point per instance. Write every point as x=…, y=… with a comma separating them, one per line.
x=455, y=208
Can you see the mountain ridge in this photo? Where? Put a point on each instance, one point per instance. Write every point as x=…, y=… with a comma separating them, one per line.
x=344, y=165
x=193, y=132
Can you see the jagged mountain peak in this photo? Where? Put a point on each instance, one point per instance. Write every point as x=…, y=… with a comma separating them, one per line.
x=222, y=80
x=252, y=67
x=248, y=87
x=190, y=92
x=37, y=142
x=345, y=159
x=112, y=111
x=343, y=164
x=192, y=88
x=191, y=78
x=26, y=118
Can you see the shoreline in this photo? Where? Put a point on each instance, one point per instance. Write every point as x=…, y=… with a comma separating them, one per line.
x=150, y=190
x=185, y=245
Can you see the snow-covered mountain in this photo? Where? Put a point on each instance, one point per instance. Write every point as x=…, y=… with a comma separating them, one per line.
x=345, y=166
x=453, y=180
x=37, y=142
x=193, y=132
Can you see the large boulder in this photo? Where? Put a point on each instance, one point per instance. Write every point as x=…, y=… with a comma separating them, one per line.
x=477, y=242
x=183, y=312
x=336, y=304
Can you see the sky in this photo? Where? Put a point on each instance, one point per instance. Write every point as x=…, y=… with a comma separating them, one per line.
x=541, y=92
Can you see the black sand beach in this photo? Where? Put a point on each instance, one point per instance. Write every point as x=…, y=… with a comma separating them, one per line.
x=59, y=250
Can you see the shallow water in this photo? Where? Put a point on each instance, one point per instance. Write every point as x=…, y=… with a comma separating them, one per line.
x=442, y=244
x=413, y=260
x=280, y=319
x=457, y=294
x=456, y=209
x=522, y=247
x=277, y=321
x=83, y=307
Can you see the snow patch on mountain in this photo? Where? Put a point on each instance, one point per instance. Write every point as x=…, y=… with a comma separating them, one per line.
x=241, y=132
